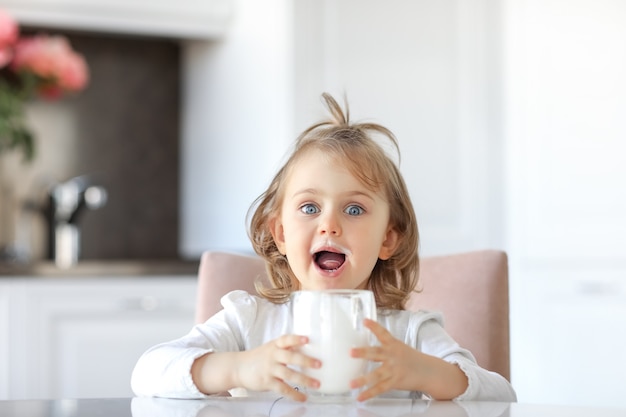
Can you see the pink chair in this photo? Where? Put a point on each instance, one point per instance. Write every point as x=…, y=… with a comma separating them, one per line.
x=470, y=289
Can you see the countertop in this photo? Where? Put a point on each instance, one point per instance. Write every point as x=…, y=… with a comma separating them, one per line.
x=94, y=268
x=280, y=407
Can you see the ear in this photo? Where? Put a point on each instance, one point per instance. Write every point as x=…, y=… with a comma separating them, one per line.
x=278, y=233
x=390, y=244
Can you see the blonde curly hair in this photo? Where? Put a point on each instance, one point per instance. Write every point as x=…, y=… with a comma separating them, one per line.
x=391, y=280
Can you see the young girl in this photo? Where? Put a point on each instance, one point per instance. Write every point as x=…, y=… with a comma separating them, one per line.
x=336, y=215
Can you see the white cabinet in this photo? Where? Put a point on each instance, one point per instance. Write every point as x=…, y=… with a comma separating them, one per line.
x=79, y=338
x=568, y=333
x=564, y=71
x=4, y=340
x=176, y=18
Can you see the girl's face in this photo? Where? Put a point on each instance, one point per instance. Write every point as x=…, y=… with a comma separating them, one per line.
x=331, y=227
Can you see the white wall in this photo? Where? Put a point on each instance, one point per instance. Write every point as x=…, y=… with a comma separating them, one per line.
x=237, y=107
x=424, y=70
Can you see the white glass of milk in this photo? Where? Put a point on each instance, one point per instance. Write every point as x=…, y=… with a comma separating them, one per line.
x=333, y=322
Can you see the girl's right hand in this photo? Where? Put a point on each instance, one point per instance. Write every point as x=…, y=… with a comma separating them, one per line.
x=268, y=367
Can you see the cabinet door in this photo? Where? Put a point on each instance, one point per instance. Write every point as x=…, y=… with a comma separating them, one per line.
x=569, y=338
x=82, y=339
x=4, y=339
x=565, y=199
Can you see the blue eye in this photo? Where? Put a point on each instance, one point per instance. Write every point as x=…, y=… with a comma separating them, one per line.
x=354, y=210
x=309, y=209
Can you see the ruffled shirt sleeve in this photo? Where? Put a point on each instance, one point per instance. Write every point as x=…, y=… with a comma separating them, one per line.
x=165, y=369
x=424, y=331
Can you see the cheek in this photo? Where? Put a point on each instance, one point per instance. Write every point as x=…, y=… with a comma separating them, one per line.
x=375, y=245
x=294, y=227
x=292, y=233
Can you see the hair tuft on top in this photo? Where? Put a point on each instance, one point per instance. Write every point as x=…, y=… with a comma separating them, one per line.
x=339, y=117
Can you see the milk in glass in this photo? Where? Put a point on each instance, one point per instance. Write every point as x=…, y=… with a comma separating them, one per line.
x=333, y=321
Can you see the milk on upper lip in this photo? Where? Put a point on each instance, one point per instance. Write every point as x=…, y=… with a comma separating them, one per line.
x=330, y=246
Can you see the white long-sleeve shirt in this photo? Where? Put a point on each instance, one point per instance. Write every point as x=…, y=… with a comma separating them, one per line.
x=247, y=322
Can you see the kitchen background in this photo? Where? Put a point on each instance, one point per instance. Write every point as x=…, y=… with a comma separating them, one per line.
x=509, y=116
x=122, y=133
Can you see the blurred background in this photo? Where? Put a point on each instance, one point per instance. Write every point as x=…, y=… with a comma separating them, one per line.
x=509, y=116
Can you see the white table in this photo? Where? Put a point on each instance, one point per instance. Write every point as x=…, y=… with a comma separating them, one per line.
x=272, y=407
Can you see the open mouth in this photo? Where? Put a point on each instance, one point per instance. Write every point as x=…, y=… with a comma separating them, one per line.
x=329, y=261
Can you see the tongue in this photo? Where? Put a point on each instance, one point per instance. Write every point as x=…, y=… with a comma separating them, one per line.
x=330, y=260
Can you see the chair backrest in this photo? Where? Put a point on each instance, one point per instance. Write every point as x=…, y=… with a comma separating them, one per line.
x=470, y=289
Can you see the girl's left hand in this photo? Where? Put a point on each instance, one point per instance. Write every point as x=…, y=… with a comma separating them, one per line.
x=399, y=364
x=404, y=368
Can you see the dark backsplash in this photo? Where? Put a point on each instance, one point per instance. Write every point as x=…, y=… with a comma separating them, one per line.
x=128, y=126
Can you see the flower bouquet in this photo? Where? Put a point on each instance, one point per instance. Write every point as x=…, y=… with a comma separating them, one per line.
x=32, y=66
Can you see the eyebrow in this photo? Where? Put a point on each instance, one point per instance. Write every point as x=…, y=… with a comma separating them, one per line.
x=354, y=193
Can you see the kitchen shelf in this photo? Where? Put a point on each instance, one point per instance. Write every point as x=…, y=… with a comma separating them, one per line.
x=183, y=19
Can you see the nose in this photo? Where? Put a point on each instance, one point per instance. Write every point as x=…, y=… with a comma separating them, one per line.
x=330, y=224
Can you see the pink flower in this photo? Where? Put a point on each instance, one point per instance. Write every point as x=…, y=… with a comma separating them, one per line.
x=8, y=30
x=8, y=36
x=74, y=74
x=52, y=59
x=30, y=66
x=5, y=56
